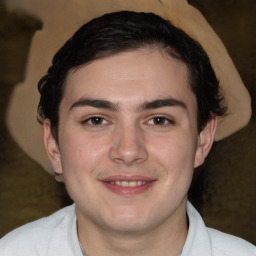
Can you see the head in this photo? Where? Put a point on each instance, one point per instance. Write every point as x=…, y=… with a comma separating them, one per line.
x=129, y=105
x=125, y=31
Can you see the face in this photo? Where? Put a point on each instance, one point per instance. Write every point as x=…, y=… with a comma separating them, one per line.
x=128, y=140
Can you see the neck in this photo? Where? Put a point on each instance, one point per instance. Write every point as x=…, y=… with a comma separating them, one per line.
x=168, y=238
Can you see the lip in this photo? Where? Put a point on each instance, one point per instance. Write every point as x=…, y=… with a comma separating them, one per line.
x=110, y=183
x=127, y=178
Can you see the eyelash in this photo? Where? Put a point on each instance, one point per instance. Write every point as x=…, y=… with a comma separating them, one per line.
x=102, y=121
x=167, y=121
x=89, y=121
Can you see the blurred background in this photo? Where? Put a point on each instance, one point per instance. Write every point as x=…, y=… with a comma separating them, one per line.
x=223, y=190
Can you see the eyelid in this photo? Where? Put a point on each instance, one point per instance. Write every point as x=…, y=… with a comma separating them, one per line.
x=87, y=119
x=169, y=119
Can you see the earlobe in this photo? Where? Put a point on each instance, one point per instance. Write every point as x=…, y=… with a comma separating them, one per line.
x=52, y=148
x=205, y=141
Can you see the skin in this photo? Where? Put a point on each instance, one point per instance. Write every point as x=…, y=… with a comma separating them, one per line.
x=142, y=127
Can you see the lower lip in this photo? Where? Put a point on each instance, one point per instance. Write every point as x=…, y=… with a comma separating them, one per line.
x=128, y=191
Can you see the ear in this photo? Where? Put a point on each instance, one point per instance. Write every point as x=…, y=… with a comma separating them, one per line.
x=205, y=141
x=52, y=147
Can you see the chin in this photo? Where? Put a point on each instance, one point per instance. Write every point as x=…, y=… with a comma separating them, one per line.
x=129, y=222
x=128, y=227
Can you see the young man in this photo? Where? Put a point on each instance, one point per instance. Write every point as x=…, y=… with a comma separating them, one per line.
x=129, y=109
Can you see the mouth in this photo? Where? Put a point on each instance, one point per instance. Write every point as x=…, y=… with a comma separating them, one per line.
x=134, y=183
x=128, y=186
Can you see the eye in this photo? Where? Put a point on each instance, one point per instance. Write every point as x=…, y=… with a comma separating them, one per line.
x=160, y=121
x=95, y=121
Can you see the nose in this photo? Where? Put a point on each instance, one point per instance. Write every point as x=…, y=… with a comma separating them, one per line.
x=128, y=146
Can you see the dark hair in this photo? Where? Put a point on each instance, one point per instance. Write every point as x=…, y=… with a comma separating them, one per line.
x=124, y=31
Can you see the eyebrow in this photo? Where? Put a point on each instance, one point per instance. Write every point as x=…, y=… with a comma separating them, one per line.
x=96, y=103
x=105, y=104
x=160, y=103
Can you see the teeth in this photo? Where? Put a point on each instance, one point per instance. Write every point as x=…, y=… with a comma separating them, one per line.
x=133, y=184
x=128, y=183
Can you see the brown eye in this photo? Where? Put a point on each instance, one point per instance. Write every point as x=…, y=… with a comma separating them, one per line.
x=160, y=121
x=95, y=120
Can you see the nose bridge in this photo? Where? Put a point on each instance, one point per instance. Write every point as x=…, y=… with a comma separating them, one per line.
x=128, y=144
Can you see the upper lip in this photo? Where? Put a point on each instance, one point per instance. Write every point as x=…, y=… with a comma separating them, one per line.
x=127, y=178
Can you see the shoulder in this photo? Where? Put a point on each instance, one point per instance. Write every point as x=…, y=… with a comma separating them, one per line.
x=36, y=236
x=224, y=244
x=202, y=240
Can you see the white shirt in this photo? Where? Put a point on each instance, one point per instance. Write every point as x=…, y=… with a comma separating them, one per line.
x=56, y=235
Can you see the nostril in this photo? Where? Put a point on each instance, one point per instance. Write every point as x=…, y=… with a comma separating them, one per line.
x=128, y=146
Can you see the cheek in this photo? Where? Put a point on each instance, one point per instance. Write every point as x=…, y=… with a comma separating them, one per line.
x=174, y=151
x=176, y=156
x=80, y=158
x=82, y=154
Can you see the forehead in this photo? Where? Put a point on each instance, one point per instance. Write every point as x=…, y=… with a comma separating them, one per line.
x=134, y=76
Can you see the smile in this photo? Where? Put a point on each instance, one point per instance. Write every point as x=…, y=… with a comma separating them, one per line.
x=128, y=183
x=128, y=186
